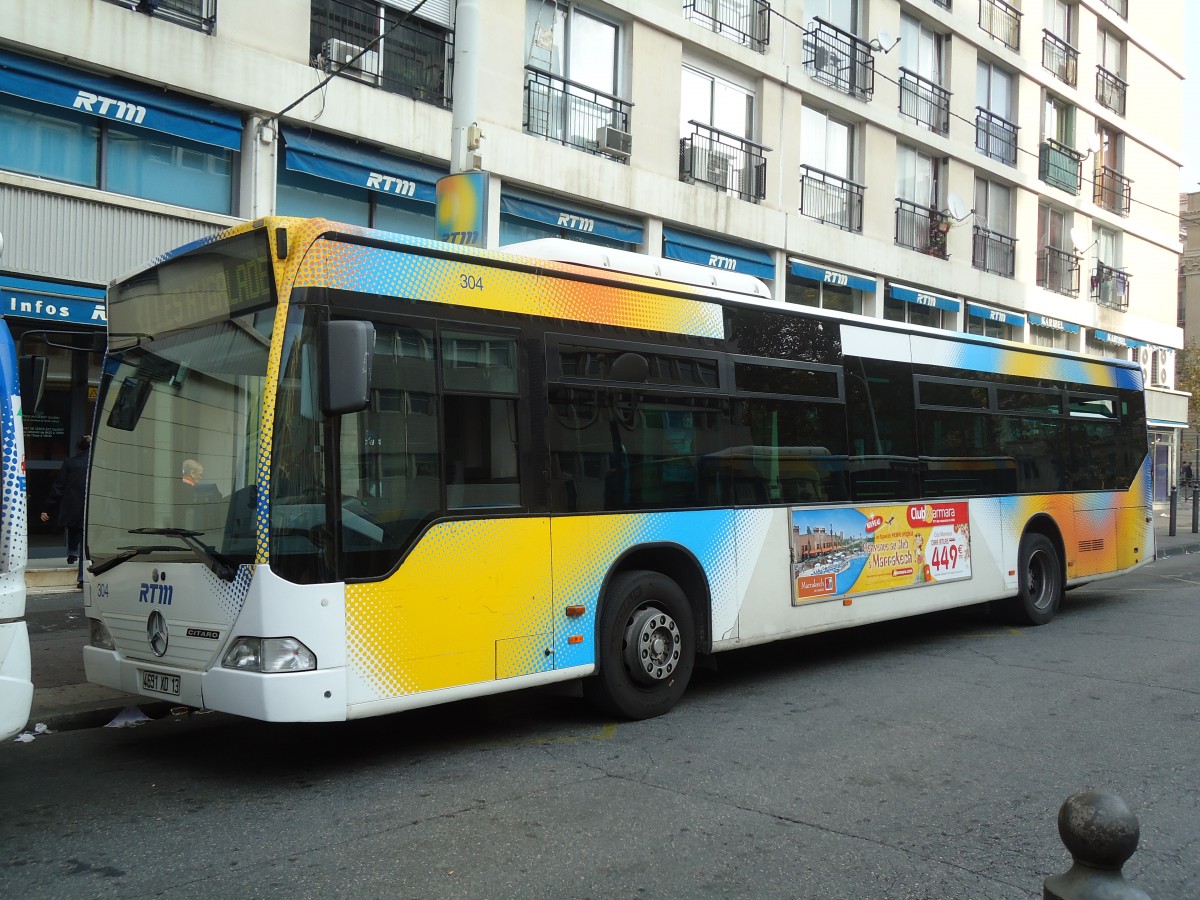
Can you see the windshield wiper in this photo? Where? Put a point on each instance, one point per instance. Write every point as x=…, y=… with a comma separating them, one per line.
x=221, y=565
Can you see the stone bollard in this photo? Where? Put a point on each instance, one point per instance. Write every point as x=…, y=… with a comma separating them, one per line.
x=1101, y=833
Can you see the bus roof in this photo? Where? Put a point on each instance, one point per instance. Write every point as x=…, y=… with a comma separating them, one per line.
x=596, y=257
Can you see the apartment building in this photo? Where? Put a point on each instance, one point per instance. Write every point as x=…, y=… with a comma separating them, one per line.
x=1004, y=169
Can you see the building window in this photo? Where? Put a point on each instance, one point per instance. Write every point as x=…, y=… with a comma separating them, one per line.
x=1059, y=164
x=1059, y=53
x=60, y=144
x=1041, y=336
x=920, y=225
x=994, y=247
x=806, y=292
x=898, y=310
x=715, y=146
x=1112, y=188
x=746, y=21
x=1110, y=72
x=923, y=96
x=198, y=14
x=987, y=326
x=571, y=79
x=299, y=194
x=828, y=191
x=413, y=58
x=995, y=133
x=1002, y=21
x=1058, y=267
x=833, y=52
x=1109, y=282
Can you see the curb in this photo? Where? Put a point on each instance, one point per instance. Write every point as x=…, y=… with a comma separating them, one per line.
x=94, y=717
x=1167, y=552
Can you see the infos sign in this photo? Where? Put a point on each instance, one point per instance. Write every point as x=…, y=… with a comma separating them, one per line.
x=839, y=552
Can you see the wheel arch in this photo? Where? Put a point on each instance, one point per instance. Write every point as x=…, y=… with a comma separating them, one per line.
x=680, y=565
x=1044, y=524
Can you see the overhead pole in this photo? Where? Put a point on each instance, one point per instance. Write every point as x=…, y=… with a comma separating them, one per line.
x=462, y=196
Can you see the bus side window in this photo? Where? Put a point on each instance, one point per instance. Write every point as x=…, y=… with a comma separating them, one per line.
x=883, y=451
x=479, y=382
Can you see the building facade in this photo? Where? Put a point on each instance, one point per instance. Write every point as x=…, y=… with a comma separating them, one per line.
x=981, y=166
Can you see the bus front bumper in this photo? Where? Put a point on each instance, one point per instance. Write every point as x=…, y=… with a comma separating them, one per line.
x=317, y=696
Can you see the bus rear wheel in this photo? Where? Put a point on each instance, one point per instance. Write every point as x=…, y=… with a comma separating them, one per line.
x=1040, y=581
x=646, y=648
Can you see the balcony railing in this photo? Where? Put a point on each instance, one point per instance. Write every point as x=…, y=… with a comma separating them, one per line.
x=726, y=161
x=831, y=199
x=570, y=113
x=746, y=21
x=1058, y=271
x=198, y=14
x=1059, y=166
x=839, y=59
x=993, y=252
x=921, y=228
x=414, y=59
x=1110, y=287
x=1060, y=57
x=1120, y=7
x=1001, y=21
x=1110, y=90
x=924, y=102
x=1112, y=191
x=995, y=137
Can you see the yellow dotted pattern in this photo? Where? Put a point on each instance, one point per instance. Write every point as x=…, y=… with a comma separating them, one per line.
x=469, y=592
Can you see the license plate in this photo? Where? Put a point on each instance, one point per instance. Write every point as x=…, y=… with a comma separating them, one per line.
x=160, y=682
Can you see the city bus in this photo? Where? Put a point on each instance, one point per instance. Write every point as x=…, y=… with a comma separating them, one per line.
x=16, y=686
x=340, y=473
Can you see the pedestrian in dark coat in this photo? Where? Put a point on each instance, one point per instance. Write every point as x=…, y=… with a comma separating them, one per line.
x=65, y=503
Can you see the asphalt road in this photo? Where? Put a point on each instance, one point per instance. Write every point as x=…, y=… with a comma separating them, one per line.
x=920, y=759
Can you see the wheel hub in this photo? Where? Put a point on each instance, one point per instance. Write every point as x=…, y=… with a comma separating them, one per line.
x=651, y=646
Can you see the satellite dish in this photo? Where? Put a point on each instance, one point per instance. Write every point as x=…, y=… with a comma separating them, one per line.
x=958, y=209
x=884, y=41
x=1078, y=238
x=1093, y=142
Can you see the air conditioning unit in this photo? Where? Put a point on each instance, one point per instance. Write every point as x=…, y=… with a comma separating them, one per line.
x=1159, y=376
x=827, y=64
x=340, y=54
x=614, y=142
x=716, y=169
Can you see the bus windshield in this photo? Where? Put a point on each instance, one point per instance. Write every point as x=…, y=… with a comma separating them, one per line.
x=173, y=469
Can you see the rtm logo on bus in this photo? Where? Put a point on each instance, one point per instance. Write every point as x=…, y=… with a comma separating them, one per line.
x=943, y=514
x=160, y=594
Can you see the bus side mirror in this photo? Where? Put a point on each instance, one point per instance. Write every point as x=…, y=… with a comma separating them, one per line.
x=347, y=350
x=31, y=372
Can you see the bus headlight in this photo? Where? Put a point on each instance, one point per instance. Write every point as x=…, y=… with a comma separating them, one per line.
x=98, y=635
x=254, y=654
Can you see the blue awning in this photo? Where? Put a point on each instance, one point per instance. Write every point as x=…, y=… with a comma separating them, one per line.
x=359, y=166
x=64, y=304
x=706, y=251
x=119, y=100
x=547, y=211
x=814, y=272
x=1117, y=340
x=1056, y=324
x=996, y=315
x=923, y=298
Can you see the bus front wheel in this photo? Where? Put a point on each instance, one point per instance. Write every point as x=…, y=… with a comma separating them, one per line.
x=646, y=647
x=1040, y=581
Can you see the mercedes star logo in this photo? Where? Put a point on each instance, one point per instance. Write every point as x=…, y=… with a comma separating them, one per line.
x=156, y=633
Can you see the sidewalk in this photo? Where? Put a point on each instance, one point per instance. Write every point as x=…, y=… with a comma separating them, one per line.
x=64, y=700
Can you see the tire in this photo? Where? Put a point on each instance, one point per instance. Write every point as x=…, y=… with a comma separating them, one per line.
x=646, y=647
x=1040, y=582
